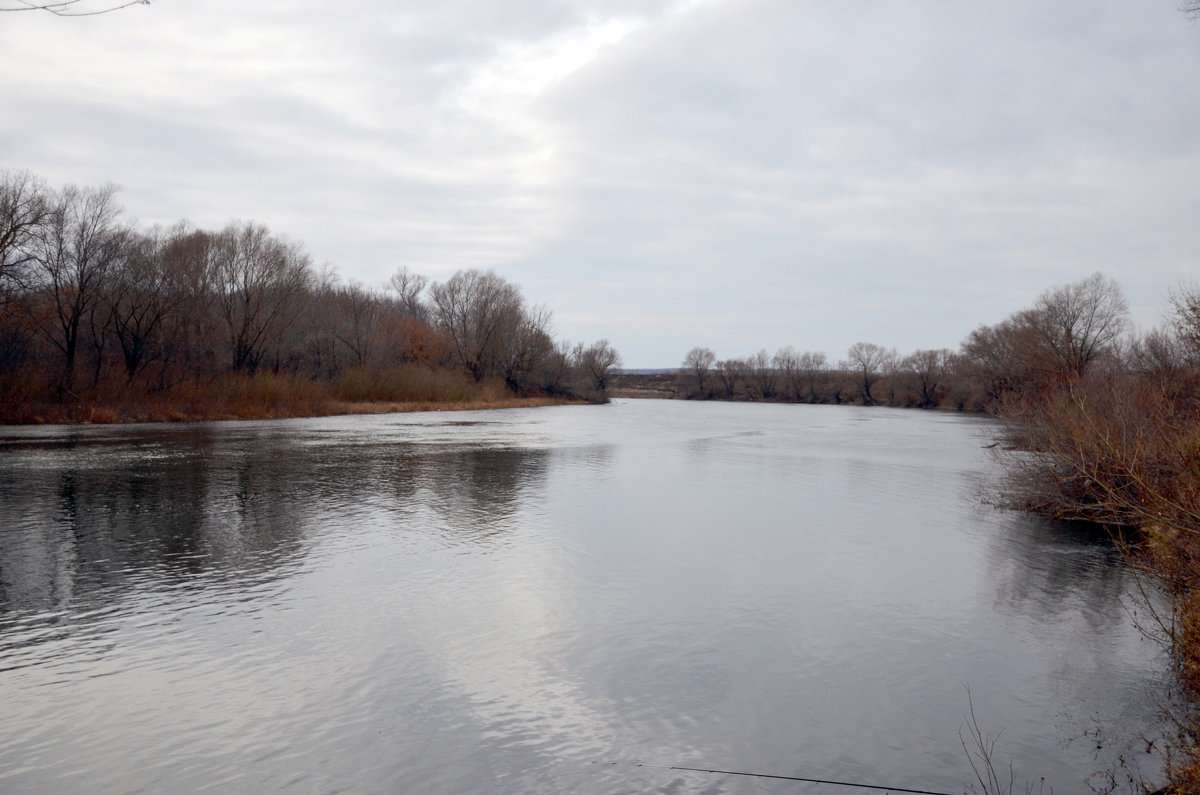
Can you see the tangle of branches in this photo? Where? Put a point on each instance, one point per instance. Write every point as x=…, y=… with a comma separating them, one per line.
x=68, y=8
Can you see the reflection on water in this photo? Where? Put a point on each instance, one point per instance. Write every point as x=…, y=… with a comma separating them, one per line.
x=87, y=519
x=513, y=601
x=1041, y=565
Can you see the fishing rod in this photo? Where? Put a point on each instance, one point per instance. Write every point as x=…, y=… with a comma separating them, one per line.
x=788, y=778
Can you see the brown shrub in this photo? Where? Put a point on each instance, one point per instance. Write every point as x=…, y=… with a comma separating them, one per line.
x=1123, y=448
x=403, y=384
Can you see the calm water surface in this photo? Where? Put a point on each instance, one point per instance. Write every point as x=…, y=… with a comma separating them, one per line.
x=513, y=601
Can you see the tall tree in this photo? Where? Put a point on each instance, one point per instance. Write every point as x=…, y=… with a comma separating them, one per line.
x=763, y=374
x=813, y=365
x=732, y=374
x=194, y=330
x=478, y=310
x=261, y=283
x=528, y=350
x=997, y=358
x=1076, y=323
x=699, y=361
x=76, y=249
x=358, y=313
x=597, y=363
x=140, y=296
x=786, y=362
x=24, y=208
x=409, y=287
x=928, y=369
x=1185, y=318
x=867, y=361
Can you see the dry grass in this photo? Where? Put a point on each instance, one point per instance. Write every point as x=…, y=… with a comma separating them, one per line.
x=406, y=384
x=261, y=396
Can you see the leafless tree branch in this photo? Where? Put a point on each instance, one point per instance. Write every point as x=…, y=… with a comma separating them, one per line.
x=66, y=8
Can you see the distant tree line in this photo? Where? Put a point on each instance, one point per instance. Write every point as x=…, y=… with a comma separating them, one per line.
x=92, y=307
x=1068, y=330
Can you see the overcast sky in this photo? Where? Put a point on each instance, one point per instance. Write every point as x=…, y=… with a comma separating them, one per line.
x=736, y=174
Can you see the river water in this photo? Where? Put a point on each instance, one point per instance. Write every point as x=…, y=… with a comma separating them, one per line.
x=541, y=600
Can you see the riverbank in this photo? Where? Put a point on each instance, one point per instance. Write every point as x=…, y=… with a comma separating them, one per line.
x=95, y=415
x=263, y=396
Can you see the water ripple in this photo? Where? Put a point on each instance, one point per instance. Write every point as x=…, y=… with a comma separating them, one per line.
x=512, y=601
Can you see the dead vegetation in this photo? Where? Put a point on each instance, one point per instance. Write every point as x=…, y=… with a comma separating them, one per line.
x=263, y=396
x=1117, y=441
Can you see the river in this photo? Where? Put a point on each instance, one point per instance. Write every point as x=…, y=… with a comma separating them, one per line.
x=540, y=600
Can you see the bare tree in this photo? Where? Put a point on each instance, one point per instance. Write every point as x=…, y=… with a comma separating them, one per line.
x=997, y=357
x=762, y=374
x=553, y=371
x=699, y=361
x=597, y=363
x=478, y=310
x=928, y=369
x=732, y=374
x=140, y=296
x=408, y=287
x=813, y=365
x=76, y=248
x=358, y=311
x=70, y=8
x=1076, y=323
x=1185, y=315
x=260, y=282
x=867, y=361
x=1163, y=357
x=189, y=256
x=787, y=364
x=24, y=208
x=527, y=350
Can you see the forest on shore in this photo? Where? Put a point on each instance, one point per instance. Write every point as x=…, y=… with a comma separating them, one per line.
x=101, y=321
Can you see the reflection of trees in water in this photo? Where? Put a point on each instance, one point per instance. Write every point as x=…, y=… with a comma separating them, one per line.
x=475, y=493
x=80, y=520
x=1044, y=569
x=92, y=518
x=1052, y=575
